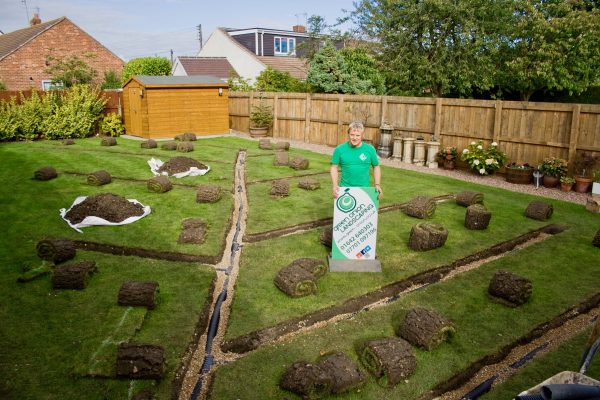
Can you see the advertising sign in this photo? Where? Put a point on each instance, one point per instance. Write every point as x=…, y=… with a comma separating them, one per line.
x=355, y=224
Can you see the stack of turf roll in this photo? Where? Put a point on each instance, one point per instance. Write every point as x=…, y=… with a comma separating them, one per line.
x=73, y=276
x=285, y=146
x=265, y=144
x=99, y=178
x=467, y=198
x=427, y=236
x=56, y=250
x=148, y=144
x=510, y=289
x=390, y=360
x=138, y=293
x=186, y=137
x=280, y=188
x=185, y=147
x=345, y=374
x=420, y=207
x=425, y=328
x=169, y=146
x=477, y=217
x=108, y=141
x=299, y=163
x=539, y=210
x=45, y=174
x=282, y=158
x=159, y=184
x=314, y=266
x=309, y=184
x=208, y=193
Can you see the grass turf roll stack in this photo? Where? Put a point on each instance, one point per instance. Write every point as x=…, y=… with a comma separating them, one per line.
x=73, y=276
x=169, y=146
x=299, y=163
x=108, y=141
x=56, y=250
x=148, y=144
x=99, y=178
x=390, y=360
x=467, y=198
x=314, y=266
x=159, y=184
x=45, y=174
x=265, y=144
x=345, y=374
x=309, y=184
x=282, y=146
x=185, y=147
x=426, y=236
x=420, y=207
x=307, y=380
x=539, y=210
x=295, y=281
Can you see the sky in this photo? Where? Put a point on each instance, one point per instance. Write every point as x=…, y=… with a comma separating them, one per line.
x=140, y=28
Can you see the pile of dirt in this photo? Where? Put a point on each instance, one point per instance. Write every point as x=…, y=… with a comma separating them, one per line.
x=425, y=328
x=468, y=198
x=180, y=164
x=477, y=217
x=108, y=206
x=510, y=289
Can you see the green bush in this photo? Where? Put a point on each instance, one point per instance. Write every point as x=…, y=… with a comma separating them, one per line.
x=483, y=160
x=111, y=80
x=9, y=115
x=75, y=114
x=111, y=125
x=2, y=85
x=146, y=66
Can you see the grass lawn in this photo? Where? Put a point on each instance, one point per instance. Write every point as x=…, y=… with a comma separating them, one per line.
x=53, y=342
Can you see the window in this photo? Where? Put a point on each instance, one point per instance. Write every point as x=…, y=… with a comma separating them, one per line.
x=48, y=85
x=285, y=46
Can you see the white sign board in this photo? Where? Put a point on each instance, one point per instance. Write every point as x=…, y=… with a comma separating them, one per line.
x=355, y=224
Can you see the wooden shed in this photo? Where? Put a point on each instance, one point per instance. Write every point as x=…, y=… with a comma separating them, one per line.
x=165, y=106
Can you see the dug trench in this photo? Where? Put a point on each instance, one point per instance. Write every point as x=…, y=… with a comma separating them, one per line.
x=381, y=296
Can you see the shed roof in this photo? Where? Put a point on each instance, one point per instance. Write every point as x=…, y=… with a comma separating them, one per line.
x=192, y=80
x=214, y=66
x=9, y=42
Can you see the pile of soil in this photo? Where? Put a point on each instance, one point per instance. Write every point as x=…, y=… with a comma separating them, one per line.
x=73, y=276
x=108, y=206
x=135, y=293
x=180, y=164
x=477, y=217
x=45, y=174
x=420, y=207
x=427, y=236
x=425, y=328
x=511, y=289
x=298, y=163
x=193, y=231
x=468, y=198
x=390, y=360
x=56, y=250
x=309, y=184
x=140, y=361
x=148, y=144
x=539, y=210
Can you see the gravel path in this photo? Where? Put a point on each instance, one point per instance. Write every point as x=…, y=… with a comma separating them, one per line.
x=464, y=175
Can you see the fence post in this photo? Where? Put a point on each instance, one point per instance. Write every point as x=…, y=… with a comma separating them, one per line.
x=383, y=108
x=340, y=121
x=275, y=109
x=437, y=128
x=497, y=121
x=574, y=134
x=307, y=119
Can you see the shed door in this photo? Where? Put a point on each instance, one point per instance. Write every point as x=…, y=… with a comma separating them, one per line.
x=135, y=105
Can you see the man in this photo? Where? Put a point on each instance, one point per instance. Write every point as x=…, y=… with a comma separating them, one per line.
x=355, y=159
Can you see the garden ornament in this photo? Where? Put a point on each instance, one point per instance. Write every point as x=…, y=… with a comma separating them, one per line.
x=537, y=178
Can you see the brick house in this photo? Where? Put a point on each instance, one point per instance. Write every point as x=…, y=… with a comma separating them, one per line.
x=24, y=53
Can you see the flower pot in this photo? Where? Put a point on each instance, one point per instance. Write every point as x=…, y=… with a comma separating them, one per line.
x=566, y=187
x=258, y=132
x=550, y=181
x=519, y=175
x=582, y=184
x=449, y=164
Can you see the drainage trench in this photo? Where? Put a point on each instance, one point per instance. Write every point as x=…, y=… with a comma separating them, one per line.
x=207, y=353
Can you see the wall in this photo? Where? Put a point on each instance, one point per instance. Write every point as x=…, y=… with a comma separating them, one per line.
x=62, y=39
x=526, y=131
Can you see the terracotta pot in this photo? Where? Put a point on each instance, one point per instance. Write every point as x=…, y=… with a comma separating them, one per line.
x=258, y=132
x=520, y=176
x=566, y=187
x=582, y=184
x=550, y=181
x=449, y=164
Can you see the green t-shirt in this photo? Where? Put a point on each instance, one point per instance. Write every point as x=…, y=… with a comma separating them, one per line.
x=355, y=163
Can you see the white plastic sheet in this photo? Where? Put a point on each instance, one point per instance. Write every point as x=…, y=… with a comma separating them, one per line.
x=91, y=220
x=155, y=164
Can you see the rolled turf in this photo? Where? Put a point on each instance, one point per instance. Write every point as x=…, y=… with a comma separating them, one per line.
x=56, y=250
x=159, y=184
x=45, y=174
x=295, y=281
x=99, y=178
x=390, y=360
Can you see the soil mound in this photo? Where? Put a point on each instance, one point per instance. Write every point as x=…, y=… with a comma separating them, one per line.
x=108, y=206
x=180, y=164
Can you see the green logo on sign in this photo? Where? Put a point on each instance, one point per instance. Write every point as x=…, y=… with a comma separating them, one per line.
x=346, y=202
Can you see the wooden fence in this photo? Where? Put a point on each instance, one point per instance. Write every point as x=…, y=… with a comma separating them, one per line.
x=526, y=131
x=114, y=98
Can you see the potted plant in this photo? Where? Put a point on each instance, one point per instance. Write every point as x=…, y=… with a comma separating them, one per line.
x=261, y=119
x=584, y=165
x=519, y=173
x=553, y=168
x=566, y=183
x=447, y=157
x=482, y=160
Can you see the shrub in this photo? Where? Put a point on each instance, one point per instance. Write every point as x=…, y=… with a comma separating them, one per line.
x=447, y=153
x=111, y=125
x=8, y=119
x=155, y=66
x=553, y=166
x=75, y=114
x=111, y=80
x=482, y=160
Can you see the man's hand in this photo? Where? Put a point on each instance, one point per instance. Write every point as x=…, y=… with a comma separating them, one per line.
x=335, y=191
x=379, y=191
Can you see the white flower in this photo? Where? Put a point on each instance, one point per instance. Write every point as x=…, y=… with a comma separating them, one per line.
x=494, y=144
x=489, y=161
x=480, y=147
x=476, y=162
x=482, y=171
x=465, y=151
x=473, y=142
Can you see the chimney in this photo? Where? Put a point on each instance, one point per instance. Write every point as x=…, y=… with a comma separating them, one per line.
x=299, y=28
x=35, y=20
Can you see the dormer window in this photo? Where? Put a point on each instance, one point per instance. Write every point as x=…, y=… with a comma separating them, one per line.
x=285, y=46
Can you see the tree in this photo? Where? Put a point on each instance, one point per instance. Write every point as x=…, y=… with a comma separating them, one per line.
x=154, y=66
x=111, y=80
x=71, y=70
x=316, y=29
x=555, y=45
x=437, y=46
x=364, y=67
x=270, y=80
